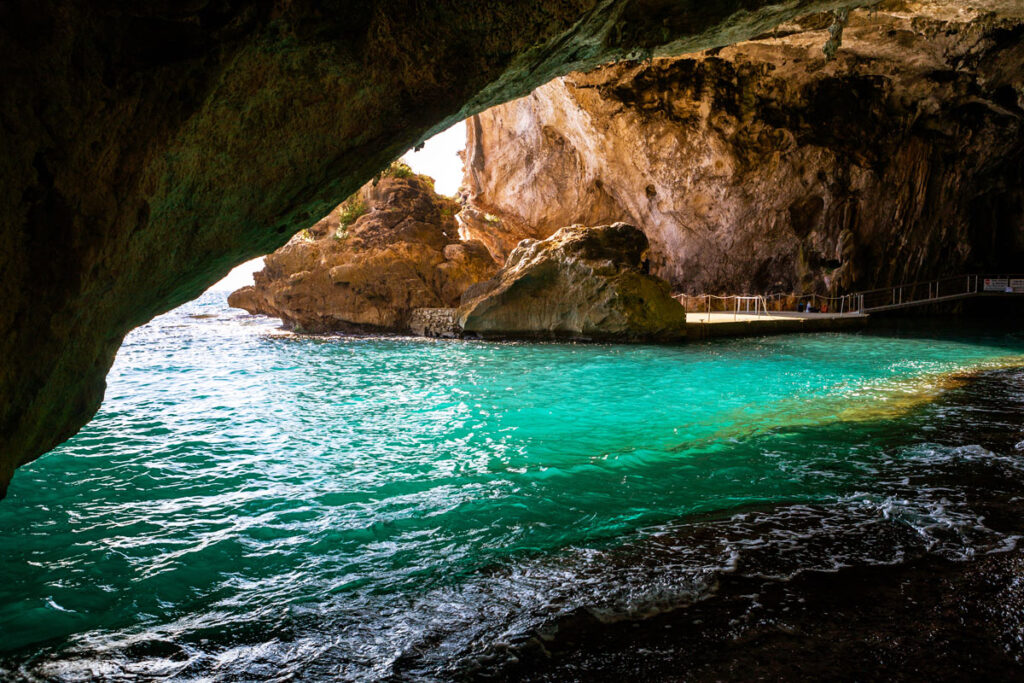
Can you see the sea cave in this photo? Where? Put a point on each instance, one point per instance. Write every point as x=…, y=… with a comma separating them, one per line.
x=641, y=339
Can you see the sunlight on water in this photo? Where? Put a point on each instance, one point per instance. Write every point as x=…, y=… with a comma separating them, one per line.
x=248, y=496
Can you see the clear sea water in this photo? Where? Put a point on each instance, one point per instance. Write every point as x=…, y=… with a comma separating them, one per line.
x=250, y=504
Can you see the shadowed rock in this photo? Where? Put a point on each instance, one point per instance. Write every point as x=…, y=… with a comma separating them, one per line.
x=580, y=283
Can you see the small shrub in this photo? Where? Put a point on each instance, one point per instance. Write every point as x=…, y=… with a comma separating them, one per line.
x=350, y=211
x=397, y=169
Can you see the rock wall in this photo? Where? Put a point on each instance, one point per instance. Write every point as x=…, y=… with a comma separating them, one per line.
x=765, y=167
x=402, y=252
x=149, y=147
x=434, y=322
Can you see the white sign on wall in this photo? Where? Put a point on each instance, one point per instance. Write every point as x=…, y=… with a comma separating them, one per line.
x=996, y=284
x=1017, y=285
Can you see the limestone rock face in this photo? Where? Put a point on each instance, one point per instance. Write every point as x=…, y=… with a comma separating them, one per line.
x=149, y=147
x=763, y=167
x=402, y=254
x=580, y=283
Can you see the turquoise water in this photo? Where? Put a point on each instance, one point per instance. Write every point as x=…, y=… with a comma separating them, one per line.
x=253, y=504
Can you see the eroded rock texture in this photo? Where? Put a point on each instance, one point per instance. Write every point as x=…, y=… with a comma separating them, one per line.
x=403, y=253
x=148, y=147
x=580, y=283
x=763, y=167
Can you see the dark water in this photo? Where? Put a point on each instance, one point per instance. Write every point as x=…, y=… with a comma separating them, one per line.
x=250, y=505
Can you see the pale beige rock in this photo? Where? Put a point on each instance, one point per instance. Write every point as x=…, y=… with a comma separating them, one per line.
x=580, y=283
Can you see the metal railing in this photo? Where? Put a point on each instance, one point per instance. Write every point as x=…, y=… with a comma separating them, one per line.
x=936, y=291
x=736, y=304
x=882, y=299
x=816, y=303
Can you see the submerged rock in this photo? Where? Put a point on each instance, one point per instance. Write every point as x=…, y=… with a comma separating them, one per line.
x=580, y=283
x=392, y=248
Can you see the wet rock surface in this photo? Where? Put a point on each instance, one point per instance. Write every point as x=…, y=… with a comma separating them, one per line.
x=402, y=253
x=580, y=283
x=928, y=619
x=765, y=167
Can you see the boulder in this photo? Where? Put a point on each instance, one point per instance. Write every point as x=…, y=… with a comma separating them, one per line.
x=588, y=283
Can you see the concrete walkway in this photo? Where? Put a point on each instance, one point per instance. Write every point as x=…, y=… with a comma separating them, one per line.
x=725, y=324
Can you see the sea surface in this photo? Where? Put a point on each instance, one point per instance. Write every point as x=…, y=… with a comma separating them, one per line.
x=254, y=505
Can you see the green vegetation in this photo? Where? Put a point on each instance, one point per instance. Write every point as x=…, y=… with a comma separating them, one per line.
x=350, y=210
x=397, y=169
x=348, y=213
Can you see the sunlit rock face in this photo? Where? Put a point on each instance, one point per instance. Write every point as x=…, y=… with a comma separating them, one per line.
x=579, y=283
x=764, y=167
x=148, y=147
x=368, y=272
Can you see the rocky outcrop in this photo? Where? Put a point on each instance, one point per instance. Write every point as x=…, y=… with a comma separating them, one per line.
x=580, y=283
x=765, y=167
x=388, y=250
x=149, y=147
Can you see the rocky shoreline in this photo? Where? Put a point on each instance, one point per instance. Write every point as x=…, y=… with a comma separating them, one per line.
x=929, y=619
x=389, y=260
